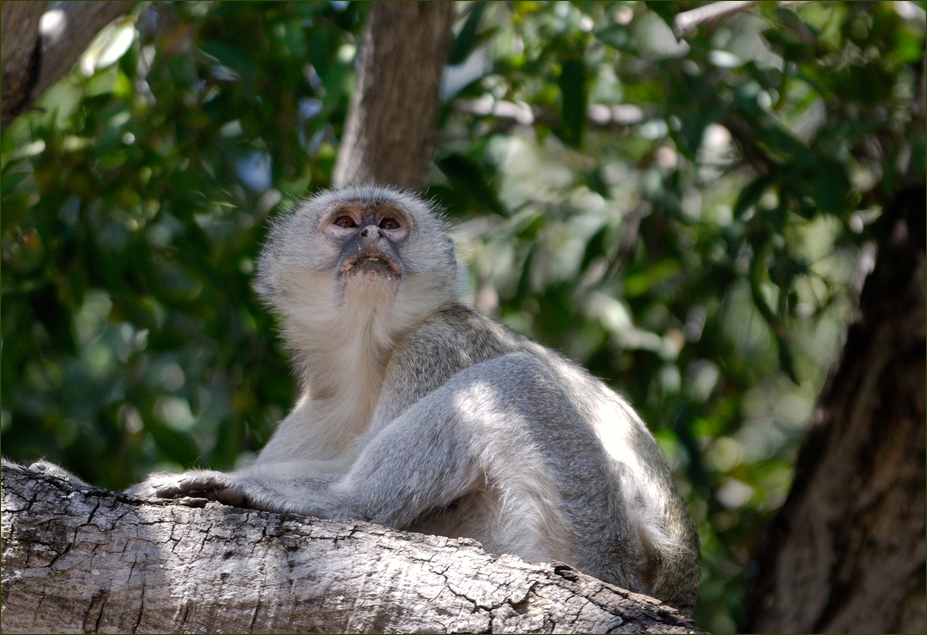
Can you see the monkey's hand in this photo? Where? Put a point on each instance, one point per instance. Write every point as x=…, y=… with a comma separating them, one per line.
x=216, y=486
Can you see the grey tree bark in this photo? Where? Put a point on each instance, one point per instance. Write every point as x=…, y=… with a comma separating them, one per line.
x=89, y=560
x=33, y=61
x=847, y=551
x=392, y=119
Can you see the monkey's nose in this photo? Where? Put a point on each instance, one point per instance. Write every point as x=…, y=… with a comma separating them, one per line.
x=370, y=231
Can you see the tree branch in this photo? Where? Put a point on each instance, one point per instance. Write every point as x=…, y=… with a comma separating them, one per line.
x=89, y=560
x=81, y=23
x=34, y=58
x=391, y=123
x=21, y=55
x=688, y=21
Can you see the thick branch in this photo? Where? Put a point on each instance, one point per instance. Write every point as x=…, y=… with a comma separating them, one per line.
x=394, y=111
x=89, y=560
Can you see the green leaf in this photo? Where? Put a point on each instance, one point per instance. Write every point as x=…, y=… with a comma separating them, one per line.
x=10, y=181
x=785, y=146
x=523, y=287
x=15, y=207
x=786, y=359
x=666, y=10
x=596, y=182
x=595, y=248
x=467, y=175
x=227, y=54
x=639, y=283
x=574, y=100
x=55, y=316
x=779, y=330
x=829, y=186
x=467, y=40
x=15, y=204
x=617, y=36
x=752, y=193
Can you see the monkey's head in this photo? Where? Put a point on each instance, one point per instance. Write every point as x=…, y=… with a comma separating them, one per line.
x=355, y=252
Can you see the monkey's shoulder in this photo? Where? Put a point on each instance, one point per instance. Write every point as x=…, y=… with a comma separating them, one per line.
x=448, y=341
x=461, y=337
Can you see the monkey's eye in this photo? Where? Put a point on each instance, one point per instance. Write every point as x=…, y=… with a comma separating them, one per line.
x=345, y=221
x=389, y=223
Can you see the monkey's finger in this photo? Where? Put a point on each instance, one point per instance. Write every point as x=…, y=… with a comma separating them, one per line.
x=197, y=484
x=229, y=496
x=215, y=486
x=141, y=490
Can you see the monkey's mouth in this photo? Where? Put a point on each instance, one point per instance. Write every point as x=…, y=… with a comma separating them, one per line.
x=371, y=261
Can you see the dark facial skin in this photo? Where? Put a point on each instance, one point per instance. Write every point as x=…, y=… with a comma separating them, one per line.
x=369, y=237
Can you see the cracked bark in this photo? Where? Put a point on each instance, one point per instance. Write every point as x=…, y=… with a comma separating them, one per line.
x=90, y=560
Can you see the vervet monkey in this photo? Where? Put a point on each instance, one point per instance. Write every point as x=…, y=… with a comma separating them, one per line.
x=421, y=414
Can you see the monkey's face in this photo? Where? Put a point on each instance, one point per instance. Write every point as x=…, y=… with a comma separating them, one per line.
x=369, y=239
x=361, y=250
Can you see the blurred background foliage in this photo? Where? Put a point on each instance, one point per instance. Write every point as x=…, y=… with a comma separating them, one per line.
x=688, y=218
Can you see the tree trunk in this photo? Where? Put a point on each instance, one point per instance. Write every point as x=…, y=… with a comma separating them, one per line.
x=33, y=61
x=89, y=560
x=393, y=116
x=846, y=552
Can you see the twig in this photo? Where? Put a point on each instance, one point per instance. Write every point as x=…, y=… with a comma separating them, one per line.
x=687, y=22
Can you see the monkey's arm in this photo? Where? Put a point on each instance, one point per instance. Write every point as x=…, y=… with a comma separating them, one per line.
x=293, y=486
x=490, y=427
x=402, y=471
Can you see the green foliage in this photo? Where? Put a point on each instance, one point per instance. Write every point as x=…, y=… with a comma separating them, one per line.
x=681, y=216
